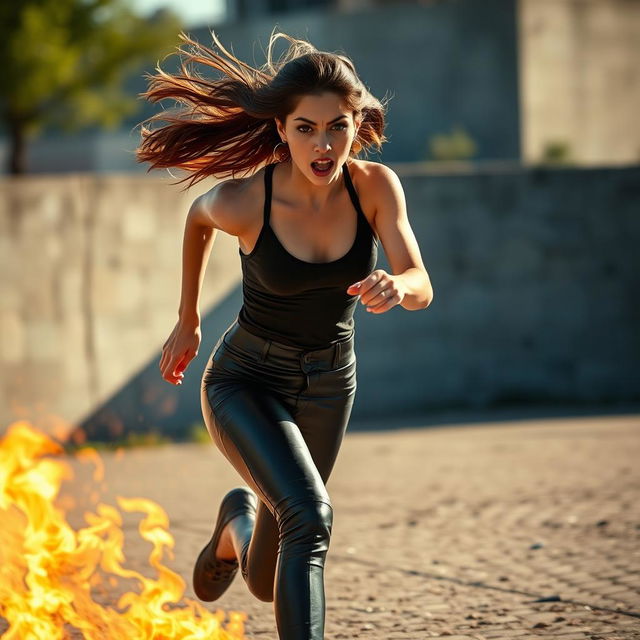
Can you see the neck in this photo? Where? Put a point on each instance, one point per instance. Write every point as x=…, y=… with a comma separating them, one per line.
x=310, y=195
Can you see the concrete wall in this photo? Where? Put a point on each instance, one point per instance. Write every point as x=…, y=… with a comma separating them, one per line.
x=580, y=78
x=535, y=272
x=90, y=288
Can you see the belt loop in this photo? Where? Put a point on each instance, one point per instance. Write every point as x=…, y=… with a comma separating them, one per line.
x=265, y=349
x=336, y=355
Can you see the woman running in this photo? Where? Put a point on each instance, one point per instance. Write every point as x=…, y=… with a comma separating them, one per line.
x=279, y=386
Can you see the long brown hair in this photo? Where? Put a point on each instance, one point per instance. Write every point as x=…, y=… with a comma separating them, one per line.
x=228, y=124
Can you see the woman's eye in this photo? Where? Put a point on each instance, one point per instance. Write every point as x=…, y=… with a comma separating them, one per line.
x=304, y=126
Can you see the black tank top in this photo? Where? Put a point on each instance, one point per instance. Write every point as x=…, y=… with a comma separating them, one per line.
x=304, y=304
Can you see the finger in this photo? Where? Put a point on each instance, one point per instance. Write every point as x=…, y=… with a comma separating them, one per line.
x=375, y=294
x=181, y=365
x=166, y=354
x=366, y=283
x=378, y=298
x=169, y=371
x=172, y=378
x=179, y=369
x=167, y=364
x=377, y=281
x=355, y=288
x=385, y=305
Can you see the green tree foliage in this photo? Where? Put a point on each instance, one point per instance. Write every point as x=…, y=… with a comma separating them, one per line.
x=64, y=63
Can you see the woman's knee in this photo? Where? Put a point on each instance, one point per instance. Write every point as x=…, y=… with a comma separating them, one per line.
x=304, y=530
x=307, y=523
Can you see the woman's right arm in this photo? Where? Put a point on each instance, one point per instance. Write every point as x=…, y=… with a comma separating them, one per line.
x=204, y=219
x=199, y=235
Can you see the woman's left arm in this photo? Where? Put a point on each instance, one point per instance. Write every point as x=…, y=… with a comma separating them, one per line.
x=408, y=285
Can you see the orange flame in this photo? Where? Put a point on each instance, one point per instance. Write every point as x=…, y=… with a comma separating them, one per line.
x=48, y=570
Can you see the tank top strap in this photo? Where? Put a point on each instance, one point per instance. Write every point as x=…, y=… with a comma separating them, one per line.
x=352, y=190
x=268, y=187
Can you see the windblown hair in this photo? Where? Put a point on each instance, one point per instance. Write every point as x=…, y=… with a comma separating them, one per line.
x=228, y=124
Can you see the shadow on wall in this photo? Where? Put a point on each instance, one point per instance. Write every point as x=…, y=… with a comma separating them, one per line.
x=535, y=276
x=147, y=404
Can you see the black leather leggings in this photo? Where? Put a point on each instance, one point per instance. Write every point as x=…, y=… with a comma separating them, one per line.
x=278, y=414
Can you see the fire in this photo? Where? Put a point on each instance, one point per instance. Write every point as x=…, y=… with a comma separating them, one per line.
x=48, y=570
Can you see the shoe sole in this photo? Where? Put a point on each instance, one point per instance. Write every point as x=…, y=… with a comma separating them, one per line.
x=210, y=585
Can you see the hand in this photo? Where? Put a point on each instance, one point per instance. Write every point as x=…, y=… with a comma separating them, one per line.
x=177, y=352
x=380, y=291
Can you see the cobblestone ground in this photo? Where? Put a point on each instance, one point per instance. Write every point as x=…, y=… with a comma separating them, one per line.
x=516, y=529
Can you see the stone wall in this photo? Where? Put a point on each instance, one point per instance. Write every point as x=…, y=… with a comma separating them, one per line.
x=535, y=274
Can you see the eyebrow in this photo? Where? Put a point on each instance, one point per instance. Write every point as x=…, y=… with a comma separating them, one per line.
x=330, y=122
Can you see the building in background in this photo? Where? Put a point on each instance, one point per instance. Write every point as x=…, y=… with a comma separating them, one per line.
x=247, y=10
x=512, y=80
x=580, y=79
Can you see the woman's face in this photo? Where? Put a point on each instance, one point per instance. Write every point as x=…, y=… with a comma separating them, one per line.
x=320, y=126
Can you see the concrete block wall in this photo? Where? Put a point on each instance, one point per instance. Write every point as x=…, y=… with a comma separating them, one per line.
x=535, y=273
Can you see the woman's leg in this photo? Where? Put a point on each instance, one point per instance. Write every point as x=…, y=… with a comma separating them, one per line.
x=258, y=435
x=322, y=426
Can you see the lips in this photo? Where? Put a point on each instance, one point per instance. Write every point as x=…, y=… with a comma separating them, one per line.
x=320, y=167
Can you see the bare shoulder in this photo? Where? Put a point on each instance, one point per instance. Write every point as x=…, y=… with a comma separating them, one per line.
x=230, y=205
x=370, y=174
x=375, y=183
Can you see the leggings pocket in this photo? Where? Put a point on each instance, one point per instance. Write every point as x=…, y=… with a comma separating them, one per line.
x=239, y=351
x=230, y=347
x=344, y=366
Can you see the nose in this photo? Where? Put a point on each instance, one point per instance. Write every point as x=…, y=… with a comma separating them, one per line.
x=322, y=142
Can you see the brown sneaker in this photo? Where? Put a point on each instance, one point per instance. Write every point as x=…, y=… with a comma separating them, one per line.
x=212, y=576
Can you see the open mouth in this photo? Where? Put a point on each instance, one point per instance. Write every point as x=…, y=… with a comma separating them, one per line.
x=322, y=168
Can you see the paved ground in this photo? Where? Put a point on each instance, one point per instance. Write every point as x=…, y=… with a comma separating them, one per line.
x=515, y=529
